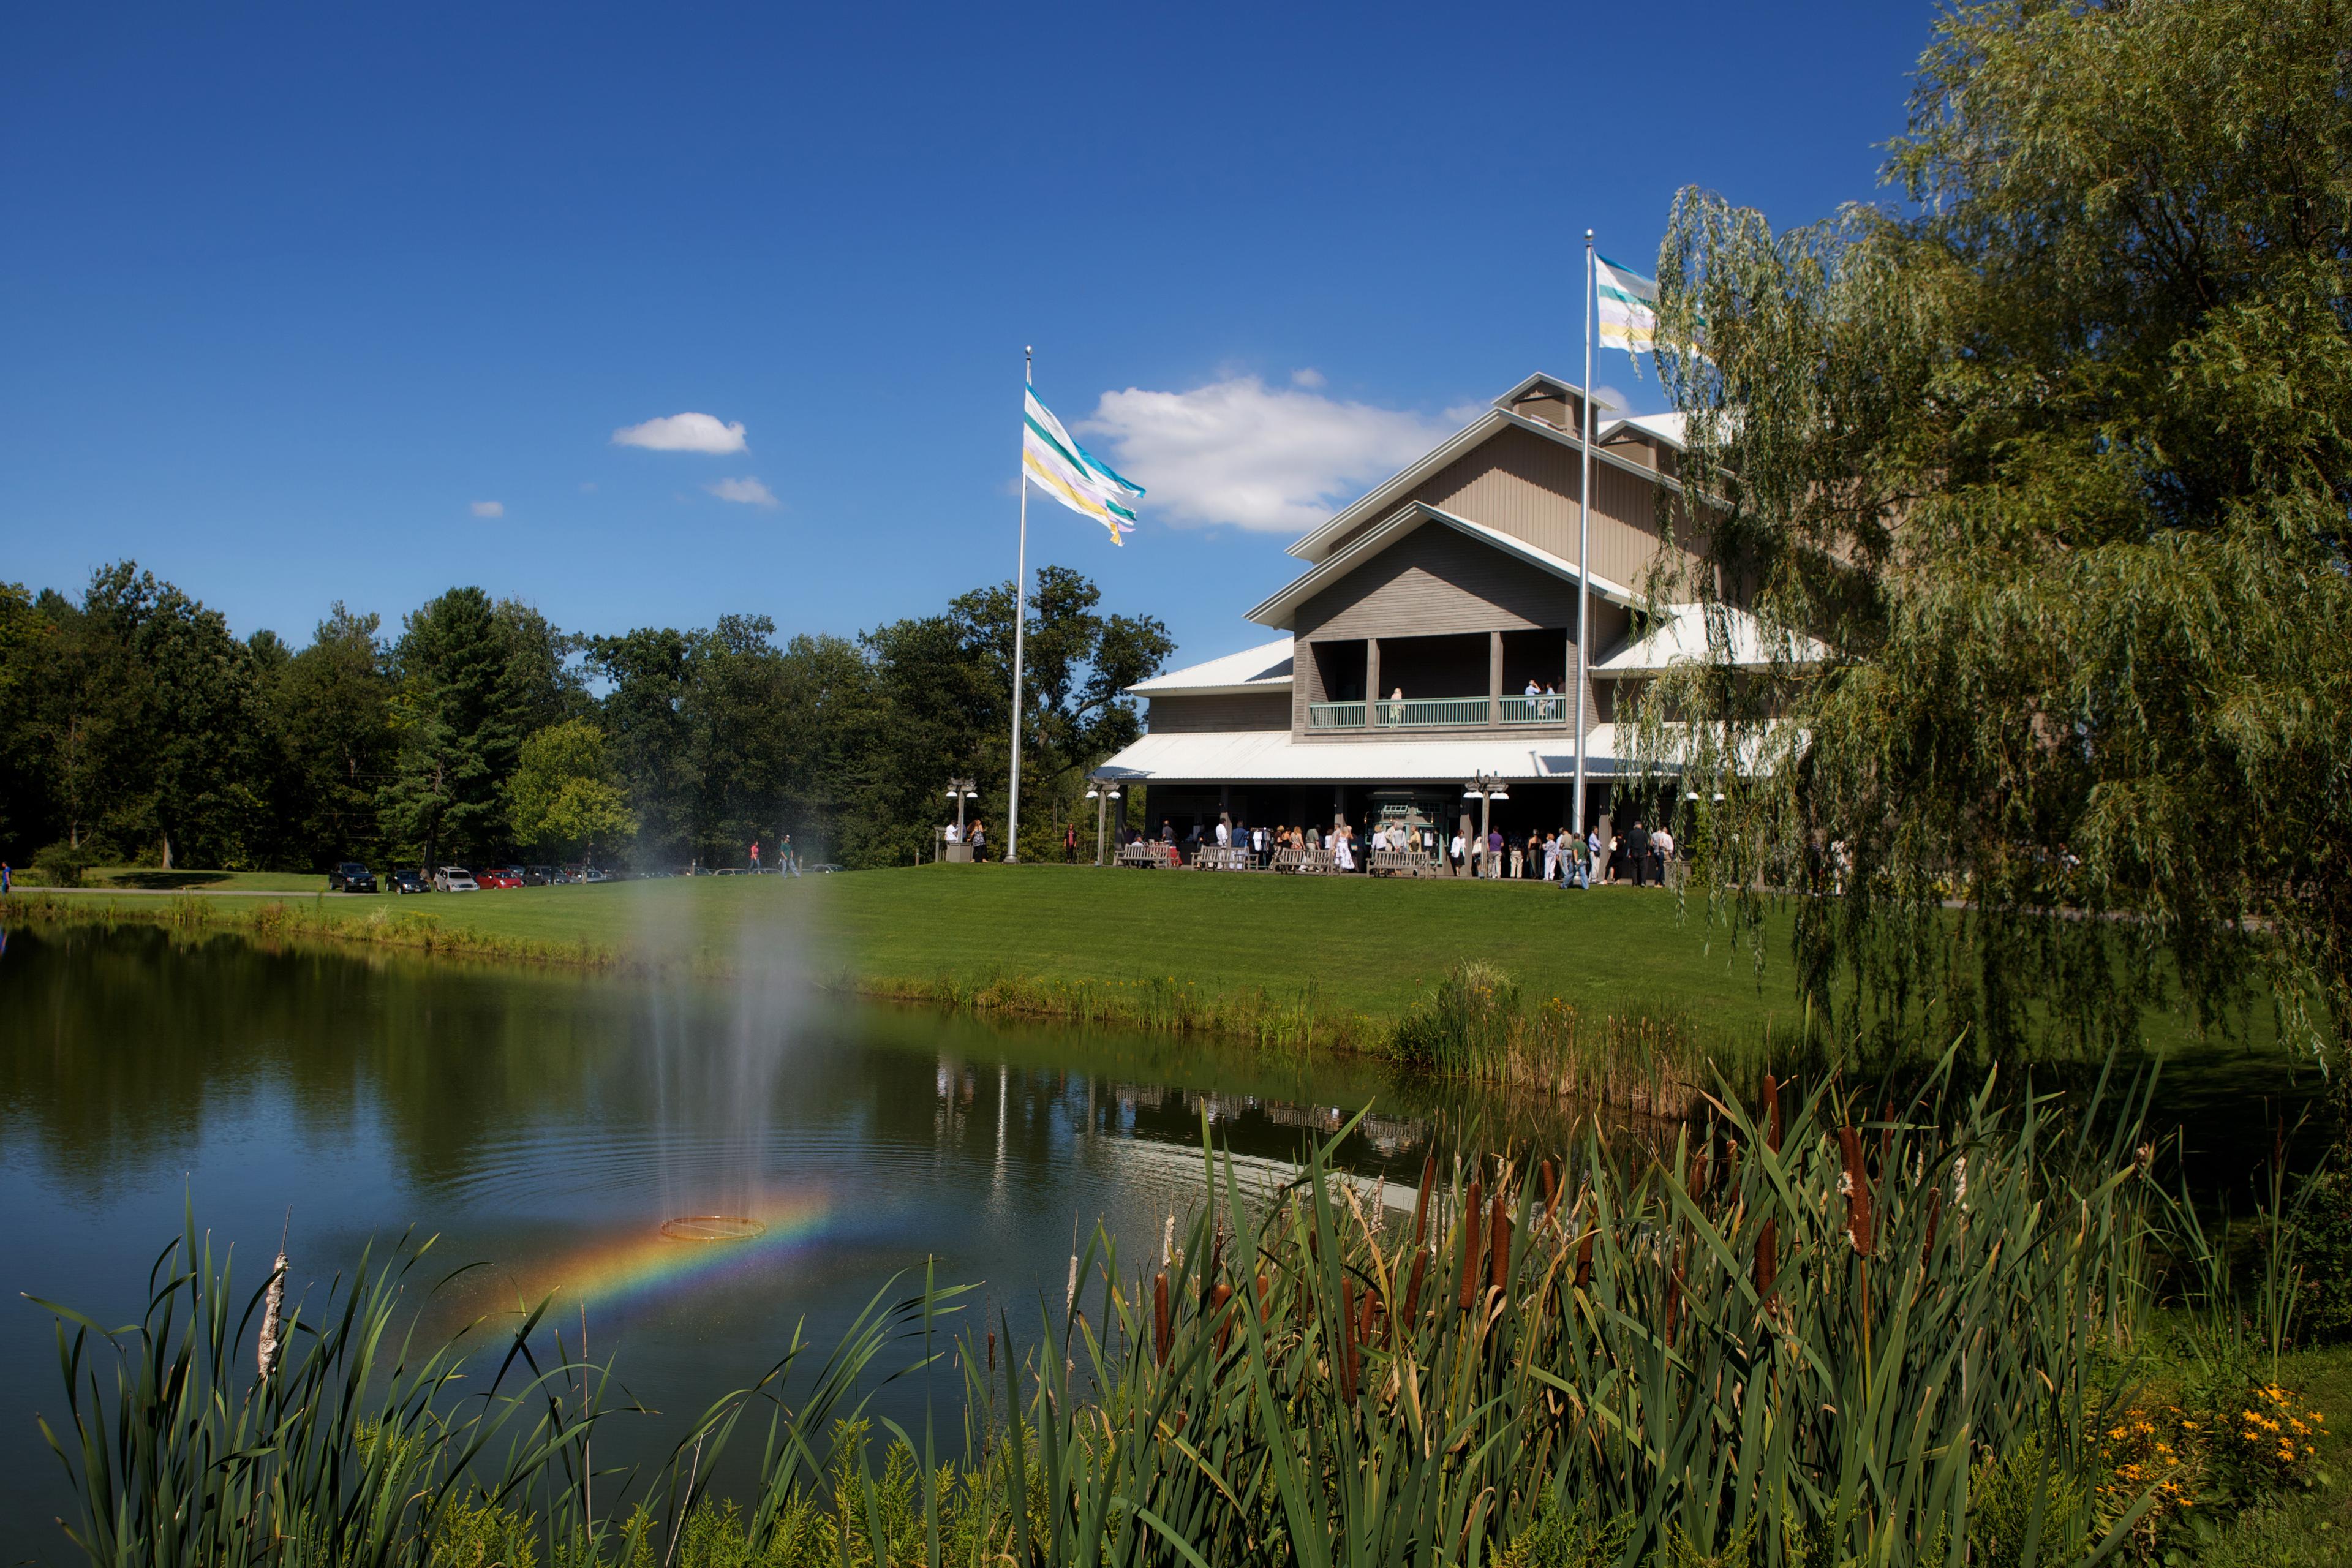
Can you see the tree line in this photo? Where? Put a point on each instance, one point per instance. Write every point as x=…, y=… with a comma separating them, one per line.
x=135, y=728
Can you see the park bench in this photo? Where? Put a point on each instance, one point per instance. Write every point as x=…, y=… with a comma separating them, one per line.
x=1148, y=855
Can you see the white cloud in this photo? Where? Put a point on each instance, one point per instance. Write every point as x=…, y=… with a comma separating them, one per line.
x=682, y=433
x=1310, y=378
x=1271, y=459
x=1607, y=399
x=748, y=491
x=489, y=509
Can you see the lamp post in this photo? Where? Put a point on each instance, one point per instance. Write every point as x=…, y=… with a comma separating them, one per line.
x=959, y=791
x=1485, y=789
x=1102, y=793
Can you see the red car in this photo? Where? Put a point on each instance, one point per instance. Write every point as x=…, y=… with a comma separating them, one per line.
x=501, y=877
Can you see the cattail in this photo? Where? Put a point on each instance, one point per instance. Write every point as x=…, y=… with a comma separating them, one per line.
x=1070, y=1295
x=1219, y=1300
x=1167, y=1241
x=1552, y=1190
x=1264, y=1296
x=1856, y=1186
x=1346, y=1357
x=1935, y=1213
x=1960, y=1180
x=1159, y=1318
x=991, y=1349
x=1470, y=1254
x=1767, y=1257
x=1421, y=1202
x=1584, y=1257
x=1772, y=1103
x=1498, y=1245
x=1412, y=1288
x=273, y=1318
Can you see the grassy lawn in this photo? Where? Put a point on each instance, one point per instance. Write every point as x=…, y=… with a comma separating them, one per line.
x=149, y=879
x=1363, y=944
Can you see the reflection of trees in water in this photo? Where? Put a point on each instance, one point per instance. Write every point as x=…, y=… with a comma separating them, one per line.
x=118, y=1047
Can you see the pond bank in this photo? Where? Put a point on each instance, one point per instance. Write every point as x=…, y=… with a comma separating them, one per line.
x=1650, y=1061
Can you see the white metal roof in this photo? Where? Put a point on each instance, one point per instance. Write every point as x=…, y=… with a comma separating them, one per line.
x=1272, y=756
x=1277, y=609
x=1266, y=667
x=1680, y=636
x=1666, y=427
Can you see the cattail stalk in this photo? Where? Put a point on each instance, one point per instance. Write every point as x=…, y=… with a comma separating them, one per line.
x=1470, y=1254
x=1498, y=1245
x=1160, y=1318
x=273, y=1318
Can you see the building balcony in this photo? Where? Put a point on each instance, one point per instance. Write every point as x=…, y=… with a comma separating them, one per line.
x=1438, y=713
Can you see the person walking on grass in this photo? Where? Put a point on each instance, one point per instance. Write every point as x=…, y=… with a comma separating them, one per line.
x=1070, y=844
x=755, y=857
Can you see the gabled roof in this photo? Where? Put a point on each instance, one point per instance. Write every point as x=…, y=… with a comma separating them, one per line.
x=1664, y=427
x=1266, y=667
x=1278, y=610
x=1317, y=541
x=1679, y=636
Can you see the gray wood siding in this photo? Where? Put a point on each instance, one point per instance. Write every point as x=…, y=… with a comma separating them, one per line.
x=1433, y=581
x=1221, y=711
x=1527, y=487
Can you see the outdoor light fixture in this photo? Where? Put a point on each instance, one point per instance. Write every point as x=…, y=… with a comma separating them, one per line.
x=1102, y=794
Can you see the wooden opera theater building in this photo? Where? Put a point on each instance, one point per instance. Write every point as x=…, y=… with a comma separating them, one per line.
x=1425, y=613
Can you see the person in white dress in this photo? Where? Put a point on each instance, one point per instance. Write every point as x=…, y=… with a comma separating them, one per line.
x=1343, y=853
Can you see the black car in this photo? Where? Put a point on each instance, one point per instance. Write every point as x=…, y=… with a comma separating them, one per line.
x=350, y=876
x=538, y=876
x=410, y=879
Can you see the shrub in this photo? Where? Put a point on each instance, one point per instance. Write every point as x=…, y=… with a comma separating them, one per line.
x=63, y=865
x=2323, y=1250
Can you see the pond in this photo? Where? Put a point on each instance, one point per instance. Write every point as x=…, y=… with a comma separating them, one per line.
x=547, y=1124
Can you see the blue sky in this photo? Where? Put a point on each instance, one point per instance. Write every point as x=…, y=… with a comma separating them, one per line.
x=305, y=303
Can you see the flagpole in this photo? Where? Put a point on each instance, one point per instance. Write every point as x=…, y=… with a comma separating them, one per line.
x=1584, y=539
x=1019, y=621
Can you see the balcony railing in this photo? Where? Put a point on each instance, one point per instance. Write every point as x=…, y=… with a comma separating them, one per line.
x=1429, y=712
x=1434, y=712
x=1545, y=709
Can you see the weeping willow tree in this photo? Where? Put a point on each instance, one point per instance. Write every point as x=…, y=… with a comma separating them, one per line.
x=2052, y=455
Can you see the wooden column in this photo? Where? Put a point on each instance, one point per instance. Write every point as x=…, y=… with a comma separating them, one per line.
x=1372, y=692
x=1494, y=677
x=1567, y=714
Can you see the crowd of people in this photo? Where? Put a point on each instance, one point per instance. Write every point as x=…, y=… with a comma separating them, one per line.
x=1641, y=856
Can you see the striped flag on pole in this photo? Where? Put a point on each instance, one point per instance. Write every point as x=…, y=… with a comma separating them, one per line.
x=1627, y=304
x=1057, y=465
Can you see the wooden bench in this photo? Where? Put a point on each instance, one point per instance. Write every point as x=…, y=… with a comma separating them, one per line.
x=1148, y=856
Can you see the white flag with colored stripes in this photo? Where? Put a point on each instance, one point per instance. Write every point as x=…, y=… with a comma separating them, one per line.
x=1626, y=304
x=1057, y=465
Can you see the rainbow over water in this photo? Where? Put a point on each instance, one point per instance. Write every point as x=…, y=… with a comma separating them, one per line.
x=627, y=1270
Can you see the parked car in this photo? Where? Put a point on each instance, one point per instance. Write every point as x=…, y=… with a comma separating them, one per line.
x=539, y=876
x=455, y=879
x=825, y=870
x=350, y=876
x=590, y=874
x=410, y=879
x=498, y=877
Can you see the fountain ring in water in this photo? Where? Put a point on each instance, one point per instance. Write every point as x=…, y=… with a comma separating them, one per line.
x=712, y=1228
